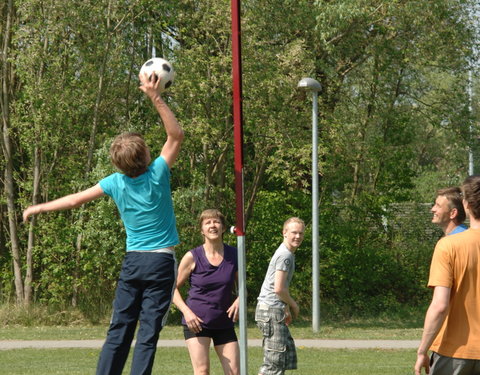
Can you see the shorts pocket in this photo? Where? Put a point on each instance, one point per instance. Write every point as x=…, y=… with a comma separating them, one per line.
x=265, y=327
x=264, y=322
x=278, y=340
x=275, y=345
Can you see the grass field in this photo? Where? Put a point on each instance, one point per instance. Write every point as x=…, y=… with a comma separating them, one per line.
x=174, y=361
x=299, y=331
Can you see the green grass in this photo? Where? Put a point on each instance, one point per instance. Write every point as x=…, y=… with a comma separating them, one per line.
x=300, y=331
x=43, y=323
x=36, y=325
x=173, y=361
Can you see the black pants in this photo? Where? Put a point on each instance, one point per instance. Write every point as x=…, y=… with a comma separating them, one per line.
x=144, y=293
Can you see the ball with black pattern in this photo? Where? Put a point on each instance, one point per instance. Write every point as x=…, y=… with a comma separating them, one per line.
x=162, y=69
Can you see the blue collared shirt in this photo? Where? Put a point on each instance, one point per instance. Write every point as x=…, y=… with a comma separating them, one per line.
x=458, y=229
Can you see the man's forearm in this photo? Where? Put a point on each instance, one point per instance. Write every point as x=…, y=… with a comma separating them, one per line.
x=284, y=296
x=172, y=127
x=433, y=322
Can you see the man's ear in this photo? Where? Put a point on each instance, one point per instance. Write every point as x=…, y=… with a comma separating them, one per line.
x=453, y=213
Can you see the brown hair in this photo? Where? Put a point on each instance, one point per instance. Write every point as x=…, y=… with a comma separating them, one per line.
x=471, y=193
x=130, y=154
x=212, y=213
x=454, y=198
x=293, y=220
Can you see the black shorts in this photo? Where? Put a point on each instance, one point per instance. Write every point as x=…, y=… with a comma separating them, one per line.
x=219, y=336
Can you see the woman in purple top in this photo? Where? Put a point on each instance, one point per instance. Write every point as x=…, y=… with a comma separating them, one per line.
x=209, y=313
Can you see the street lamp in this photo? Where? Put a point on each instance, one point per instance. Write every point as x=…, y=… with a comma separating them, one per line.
x=313, y=86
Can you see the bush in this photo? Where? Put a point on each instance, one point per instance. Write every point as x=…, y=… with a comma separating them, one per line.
x=369, y=266
x=264, y=235
x=40, y=315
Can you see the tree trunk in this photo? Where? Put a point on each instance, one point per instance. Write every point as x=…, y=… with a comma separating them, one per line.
x=37, y=157
x=359, y=158
x=31, y=235
x=7, y=153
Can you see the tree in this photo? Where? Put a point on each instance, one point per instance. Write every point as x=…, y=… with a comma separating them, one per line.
x=393, y=77
x=8, y=90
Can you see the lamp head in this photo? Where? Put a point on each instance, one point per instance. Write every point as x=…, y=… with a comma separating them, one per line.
x=309, y=84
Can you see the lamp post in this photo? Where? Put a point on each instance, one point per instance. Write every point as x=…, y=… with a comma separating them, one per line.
x=313, y=86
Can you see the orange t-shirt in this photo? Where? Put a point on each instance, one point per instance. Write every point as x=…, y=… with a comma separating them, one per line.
x=456, y=265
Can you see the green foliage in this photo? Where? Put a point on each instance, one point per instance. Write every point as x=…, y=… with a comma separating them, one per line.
x=394, y=127
x=382, y=264
x=190, y=203
x=264, y=235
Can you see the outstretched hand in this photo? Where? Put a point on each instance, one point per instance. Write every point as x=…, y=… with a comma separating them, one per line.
x=29, y=211
x=26, y=213
x=150, y=85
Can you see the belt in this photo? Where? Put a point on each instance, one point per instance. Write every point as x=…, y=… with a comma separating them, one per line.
x=264, y=306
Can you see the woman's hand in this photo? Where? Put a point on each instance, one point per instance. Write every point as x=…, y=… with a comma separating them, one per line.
x=193, y=321
x=233, y=310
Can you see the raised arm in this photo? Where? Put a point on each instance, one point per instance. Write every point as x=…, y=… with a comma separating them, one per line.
x=184, y=270
x=174, y=131
x=65, y=203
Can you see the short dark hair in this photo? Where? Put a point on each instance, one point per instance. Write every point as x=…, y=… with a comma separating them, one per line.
x=455, y=200
x=130, y=154
x=471, y=193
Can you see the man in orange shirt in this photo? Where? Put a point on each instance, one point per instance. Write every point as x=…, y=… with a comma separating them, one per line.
x=452, y=323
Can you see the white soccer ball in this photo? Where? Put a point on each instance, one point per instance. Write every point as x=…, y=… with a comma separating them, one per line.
x=162, y=68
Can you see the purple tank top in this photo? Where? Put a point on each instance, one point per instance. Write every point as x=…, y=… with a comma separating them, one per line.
x=211, y=287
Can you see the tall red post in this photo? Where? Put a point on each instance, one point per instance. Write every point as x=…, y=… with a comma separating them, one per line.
x=238, y=117
x=239, y=229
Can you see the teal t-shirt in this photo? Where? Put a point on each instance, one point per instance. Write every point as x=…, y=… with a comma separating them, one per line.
x=145, y=205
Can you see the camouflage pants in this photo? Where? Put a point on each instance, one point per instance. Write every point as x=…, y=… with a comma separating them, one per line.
x=279, y=353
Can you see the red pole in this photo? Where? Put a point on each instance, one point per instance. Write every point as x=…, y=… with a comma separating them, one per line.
x=239, y=229
x=237, y=117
